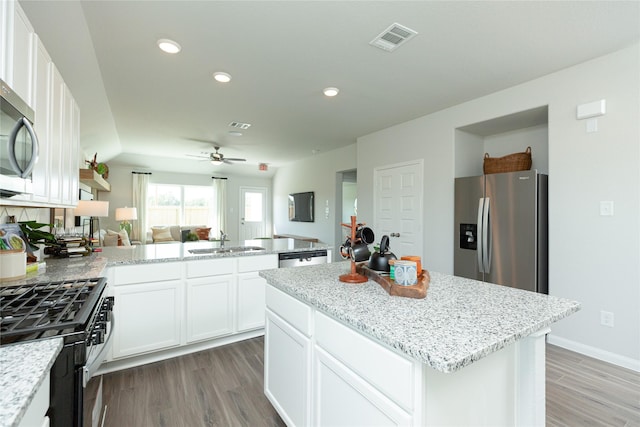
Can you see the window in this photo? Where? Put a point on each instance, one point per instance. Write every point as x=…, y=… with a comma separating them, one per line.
x=253, y=207
x=179, y=204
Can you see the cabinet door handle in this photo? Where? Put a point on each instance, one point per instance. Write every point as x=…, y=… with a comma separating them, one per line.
x=395, y=234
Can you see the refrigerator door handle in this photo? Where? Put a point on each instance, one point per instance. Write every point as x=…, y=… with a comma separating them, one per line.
x=486, y=237
x=480, y=244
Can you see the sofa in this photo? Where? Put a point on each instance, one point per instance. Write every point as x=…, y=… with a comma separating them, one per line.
x=176, y=233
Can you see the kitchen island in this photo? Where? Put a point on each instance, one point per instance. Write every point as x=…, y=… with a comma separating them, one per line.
x=470, y=353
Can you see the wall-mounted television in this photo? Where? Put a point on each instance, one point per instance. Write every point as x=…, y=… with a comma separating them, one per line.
x=301, y=206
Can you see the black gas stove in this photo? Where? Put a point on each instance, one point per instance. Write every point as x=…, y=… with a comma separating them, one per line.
x=80, y=313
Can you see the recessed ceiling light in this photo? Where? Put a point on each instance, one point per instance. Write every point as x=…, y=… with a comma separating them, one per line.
x=331, y=91
x=169, y=46
x=222, y=77
x=235, y=133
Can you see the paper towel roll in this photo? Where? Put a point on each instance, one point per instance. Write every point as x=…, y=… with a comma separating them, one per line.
x=13, y=265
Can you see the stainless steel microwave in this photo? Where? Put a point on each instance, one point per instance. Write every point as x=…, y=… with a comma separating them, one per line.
x=18, y=144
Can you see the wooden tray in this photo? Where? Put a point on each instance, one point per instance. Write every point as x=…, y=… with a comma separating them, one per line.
x=418, y=290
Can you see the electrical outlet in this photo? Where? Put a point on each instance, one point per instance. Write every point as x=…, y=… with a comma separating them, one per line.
x=606, y=318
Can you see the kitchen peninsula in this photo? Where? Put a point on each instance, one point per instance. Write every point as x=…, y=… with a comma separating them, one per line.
x=470, y=353
x=168, y=301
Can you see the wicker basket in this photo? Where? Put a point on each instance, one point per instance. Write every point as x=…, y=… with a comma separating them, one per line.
x=509, y=163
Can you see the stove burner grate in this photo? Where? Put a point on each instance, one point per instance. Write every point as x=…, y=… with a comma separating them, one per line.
x=29, y=309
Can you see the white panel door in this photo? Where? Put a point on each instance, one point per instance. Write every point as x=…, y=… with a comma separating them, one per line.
x=42, y=101
x=209, y=307
x=253, y=213
x=342, y=398
x=287, y=376
x=251, y=301
x=398, y=207
x=148, y=316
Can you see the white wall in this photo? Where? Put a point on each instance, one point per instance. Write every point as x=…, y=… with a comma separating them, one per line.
x=318, y=174
x=120, y=178
x=593, y=259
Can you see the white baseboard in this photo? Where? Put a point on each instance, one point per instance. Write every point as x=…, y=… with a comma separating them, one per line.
x=596, y=353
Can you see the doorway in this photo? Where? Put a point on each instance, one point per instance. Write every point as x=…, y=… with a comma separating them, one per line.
x=253, y=213
x=346, y=204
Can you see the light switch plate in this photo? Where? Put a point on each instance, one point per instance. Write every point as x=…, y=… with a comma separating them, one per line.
x=606, y=208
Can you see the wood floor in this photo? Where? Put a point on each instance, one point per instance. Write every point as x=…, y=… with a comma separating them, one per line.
x=219, y=387
x=582, y=391
x=224, y=387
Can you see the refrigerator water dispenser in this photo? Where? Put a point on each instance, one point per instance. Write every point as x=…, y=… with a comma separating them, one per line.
x=469, y=236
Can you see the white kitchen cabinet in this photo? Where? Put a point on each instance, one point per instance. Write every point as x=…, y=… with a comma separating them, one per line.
x=5, y=26
x=358, y=381
x=148, y=308
x=148, y=317
x=27, y=68
x=167, y=309
x=321, y=372
x=342, y=398
x=209, y=307
x=287, y=357
x=20, y=51
x=42, y=106
x=36, y=412
x=69, y=147
x=55, y=137
x=251, y=291
x=209, y=298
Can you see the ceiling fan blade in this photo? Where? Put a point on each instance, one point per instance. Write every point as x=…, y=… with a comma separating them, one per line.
x=235, y=159
x=198, y=157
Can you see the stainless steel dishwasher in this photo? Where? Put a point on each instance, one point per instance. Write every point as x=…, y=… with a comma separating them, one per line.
x=302, y=258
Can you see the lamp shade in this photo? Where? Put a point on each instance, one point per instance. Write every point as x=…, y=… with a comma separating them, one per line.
x=93, y=208
x=126, y=214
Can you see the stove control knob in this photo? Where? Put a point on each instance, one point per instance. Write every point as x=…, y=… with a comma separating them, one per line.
x=107, y=304
x=97, y=337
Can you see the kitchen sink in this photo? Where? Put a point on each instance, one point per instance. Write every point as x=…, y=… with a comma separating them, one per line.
x=230, y=249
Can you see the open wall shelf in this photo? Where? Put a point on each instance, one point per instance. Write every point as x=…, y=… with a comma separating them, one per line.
x=93, y=180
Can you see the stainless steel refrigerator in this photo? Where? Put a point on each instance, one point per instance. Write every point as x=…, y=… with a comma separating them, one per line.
x=501, y=229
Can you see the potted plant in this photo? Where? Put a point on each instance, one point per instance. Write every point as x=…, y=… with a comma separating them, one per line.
x=35, y=236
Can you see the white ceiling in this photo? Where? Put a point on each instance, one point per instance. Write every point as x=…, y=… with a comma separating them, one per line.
x=145, y=108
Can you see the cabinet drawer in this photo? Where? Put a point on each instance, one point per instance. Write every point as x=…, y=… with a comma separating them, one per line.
x=257, y=263
x=209, y=267
x=389, y=372
x=146, y=273
x=290, y=309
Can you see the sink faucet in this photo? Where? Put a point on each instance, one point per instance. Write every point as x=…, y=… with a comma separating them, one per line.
x=223, y=237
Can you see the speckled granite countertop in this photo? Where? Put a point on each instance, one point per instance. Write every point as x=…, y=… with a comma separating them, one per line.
x=166, y=252
x=459, y=321
x=23, y=367
x=94, y=265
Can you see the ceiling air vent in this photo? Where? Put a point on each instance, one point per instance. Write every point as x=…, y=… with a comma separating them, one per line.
x=393, y=37
x=240, y=125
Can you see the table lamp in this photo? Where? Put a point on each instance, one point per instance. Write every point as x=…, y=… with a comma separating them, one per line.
x=94, y=209
x=125, y=215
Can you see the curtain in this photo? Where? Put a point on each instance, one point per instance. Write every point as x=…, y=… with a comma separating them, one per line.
x=140, y=184
x=220, y=200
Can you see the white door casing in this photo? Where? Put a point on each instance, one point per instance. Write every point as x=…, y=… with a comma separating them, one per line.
x=398, y=206
x=253, y=213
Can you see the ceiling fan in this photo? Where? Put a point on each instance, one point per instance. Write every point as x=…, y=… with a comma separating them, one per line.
x=218, y=158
